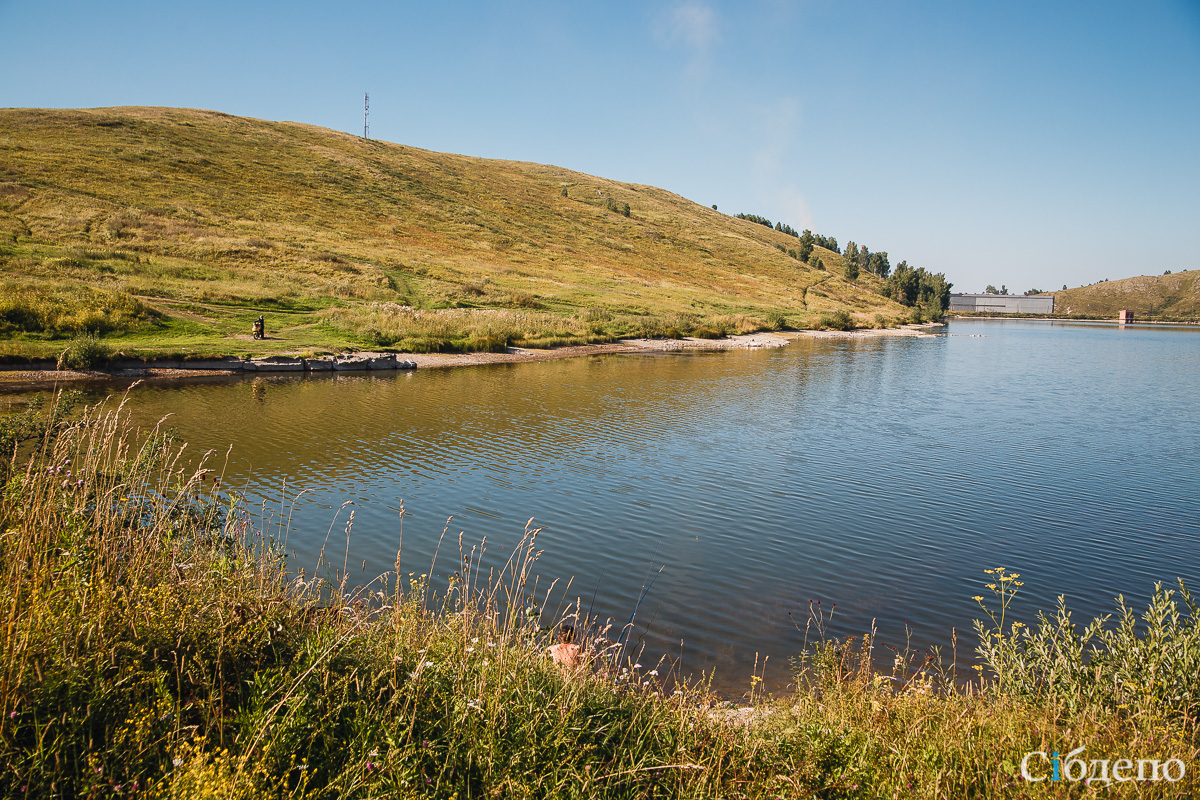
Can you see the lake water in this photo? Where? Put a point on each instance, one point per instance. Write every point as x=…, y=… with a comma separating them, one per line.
x=881, y=475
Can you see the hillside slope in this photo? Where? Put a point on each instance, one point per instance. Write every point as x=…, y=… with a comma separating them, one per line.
x=1174, y=296
x=165, y=225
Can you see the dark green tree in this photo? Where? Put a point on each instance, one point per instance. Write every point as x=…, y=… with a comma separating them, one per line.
x=918, y=287
x=904, y=285
x=879, y=264
x=806, y=245
x=934, y=293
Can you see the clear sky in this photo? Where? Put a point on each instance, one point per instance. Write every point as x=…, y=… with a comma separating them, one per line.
x=1031, y=143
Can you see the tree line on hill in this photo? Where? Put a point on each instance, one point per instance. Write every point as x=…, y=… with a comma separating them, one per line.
x=808, y=239
x=915, y=287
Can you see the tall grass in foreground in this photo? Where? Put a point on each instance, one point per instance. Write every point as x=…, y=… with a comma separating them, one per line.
x=155, y=645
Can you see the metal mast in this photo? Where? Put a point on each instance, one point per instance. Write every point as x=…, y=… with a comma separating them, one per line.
x=366, y=110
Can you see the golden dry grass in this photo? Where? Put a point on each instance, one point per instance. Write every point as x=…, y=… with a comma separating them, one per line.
x=235, y=215
x=1174, y=296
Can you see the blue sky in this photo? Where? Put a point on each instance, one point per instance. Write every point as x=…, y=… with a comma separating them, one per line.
x=1031, y=144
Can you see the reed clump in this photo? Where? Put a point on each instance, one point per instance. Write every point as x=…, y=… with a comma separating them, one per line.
x=157, y=644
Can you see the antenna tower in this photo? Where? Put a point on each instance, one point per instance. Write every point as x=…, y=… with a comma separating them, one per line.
x=366, y=110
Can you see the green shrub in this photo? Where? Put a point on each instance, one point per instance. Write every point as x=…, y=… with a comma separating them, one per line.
x=776, y=321
x=62, y=310
x=525, y=300
x=1142, y=663
x=837, y=321
x=34, y=422
x=85, y=352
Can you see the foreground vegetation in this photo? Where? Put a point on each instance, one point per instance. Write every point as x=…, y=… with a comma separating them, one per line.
x=156, y=645
x=169, y=231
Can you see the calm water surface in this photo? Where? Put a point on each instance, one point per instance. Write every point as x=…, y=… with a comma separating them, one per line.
x=883, y=475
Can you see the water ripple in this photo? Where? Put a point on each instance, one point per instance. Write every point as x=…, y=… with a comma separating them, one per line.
x=880, y=475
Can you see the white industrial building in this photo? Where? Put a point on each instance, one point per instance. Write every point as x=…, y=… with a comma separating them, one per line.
x=1003, y=303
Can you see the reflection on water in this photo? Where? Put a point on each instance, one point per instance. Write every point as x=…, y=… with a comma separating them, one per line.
x=881, y=475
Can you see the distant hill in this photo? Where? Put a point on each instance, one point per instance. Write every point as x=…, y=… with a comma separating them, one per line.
x=169, y=225
x=1174, y=296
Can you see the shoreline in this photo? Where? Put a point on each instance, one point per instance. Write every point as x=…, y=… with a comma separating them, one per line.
x=45, y=377
x=1043, y=318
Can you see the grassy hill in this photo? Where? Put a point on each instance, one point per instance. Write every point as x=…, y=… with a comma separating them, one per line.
x=170, y=230
x=1174, y=296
